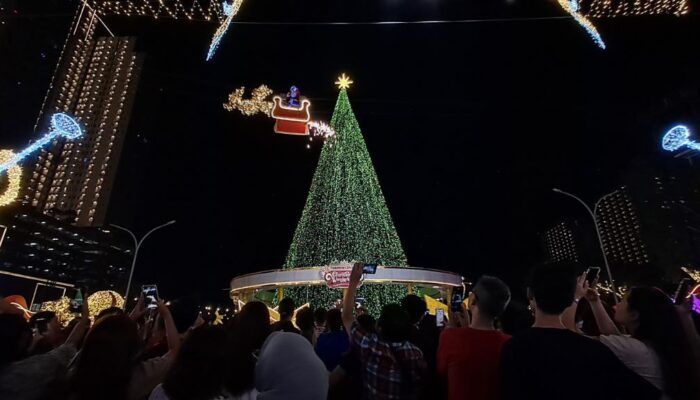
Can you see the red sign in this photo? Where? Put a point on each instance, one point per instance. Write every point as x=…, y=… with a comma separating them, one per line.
x=337, y=276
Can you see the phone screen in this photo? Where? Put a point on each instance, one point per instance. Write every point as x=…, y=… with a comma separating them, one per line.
x=369, y=269
x=440, y=317
x=76, y=304
x=150, y=294
x=457, y=300
x=592, y=274
x=696, y=303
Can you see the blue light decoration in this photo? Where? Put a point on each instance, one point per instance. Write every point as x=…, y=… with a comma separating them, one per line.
x=62, y=125
x=677, y=137
x=572, y=7
x=229, y=10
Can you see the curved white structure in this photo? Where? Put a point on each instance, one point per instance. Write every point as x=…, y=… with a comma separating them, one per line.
x=312, y=276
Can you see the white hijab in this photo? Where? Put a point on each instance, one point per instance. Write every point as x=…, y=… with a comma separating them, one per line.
x=289, y=369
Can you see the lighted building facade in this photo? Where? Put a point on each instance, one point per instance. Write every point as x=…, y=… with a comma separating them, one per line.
x=620, y=229
x=572, y=241
x=46, y=246
x=95, y=81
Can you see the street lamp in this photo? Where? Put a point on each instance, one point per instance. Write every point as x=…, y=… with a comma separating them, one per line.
x=597, y=231
x=137, y=245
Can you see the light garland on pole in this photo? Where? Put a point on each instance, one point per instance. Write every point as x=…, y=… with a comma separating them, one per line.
x=573, y=8
x=230, y=10
x=678, y=137
x=162, y=9
x=626, y=8
x=13, y=179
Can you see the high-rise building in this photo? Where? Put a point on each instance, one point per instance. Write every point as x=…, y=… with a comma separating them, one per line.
x=620, y=229
x=95, y=80
x=572, y=240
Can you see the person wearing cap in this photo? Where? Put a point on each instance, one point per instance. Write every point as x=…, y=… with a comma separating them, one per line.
x=468, y=352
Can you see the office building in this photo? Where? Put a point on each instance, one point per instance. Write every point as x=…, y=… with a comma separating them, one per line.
x=574, y=241
x=620, y=229
x=95, y=81
x=48, y=248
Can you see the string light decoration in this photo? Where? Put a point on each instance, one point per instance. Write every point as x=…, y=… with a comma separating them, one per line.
x=692, y=273
x=320, y=129
x=102, y=300
x=62, y=309
x=256, y=104
x=193, y=10
x=62, y=125
x=572, y=7
x=345, y=216
x=678, y=137
x=230, y=11
x=13, y=179
x=626, y=8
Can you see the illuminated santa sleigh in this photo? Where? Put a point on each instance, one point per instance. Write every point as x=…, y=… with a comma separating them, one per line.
x=289, y=119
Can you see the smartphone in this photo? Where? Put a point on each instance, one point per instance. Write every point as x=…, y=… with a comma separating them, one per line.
x=369, y=269
x=440, y=317
x=41, y=325
x=76, y=305
x=150, y=294
x=592, y=274
x=682, y=291
x=457, y=300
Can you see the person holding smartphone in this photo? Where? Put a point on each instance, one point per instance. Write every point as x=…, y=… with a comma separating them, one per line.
x=468, y=355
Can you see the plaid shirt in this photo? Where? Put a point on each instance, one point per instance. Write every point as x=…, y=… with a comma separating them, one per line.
x=391, y=370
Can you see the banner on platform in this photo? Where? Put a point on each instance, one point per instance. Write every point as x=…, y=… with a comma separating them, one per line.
x=337, y=276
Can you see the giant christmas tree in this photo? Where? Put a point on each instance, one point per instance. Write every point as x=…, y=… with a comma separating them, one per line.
x=345, y=217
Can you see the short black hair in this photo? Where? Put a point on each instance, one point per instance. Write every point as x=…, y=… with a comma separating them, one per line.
x=286, y=308
x=305, y=319
x=414, y=306
x=553, y=286
x=367, y=323
x=334, y=320
x=320, y=315
x=492, y=296
x=394, y=323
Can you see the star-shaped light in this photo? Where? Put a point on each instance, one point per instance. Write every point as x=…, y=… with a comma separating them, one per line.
x=344, y=82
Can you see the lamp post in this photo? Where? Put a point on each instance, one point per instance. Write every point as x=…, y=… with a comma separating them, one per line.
x=137, y=245
x=597, y=231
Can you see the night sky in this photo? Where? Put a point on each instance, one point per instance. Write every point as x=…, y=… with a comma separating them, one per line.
x=469, y=125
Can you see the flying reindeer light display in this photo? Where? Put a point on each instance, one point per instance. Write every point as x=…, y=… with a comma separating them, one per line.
x=291, y=112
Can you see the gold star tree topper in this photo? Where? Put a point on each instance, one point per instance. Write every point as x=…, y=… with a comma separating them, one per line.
x=344, y=82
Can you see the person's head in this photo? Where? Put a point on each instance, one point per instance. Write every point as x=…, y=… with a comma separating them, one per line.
x=286, y=309
x=394, y=324
x=109, y=311
x=650, y=316
x=15, y=338
x=248, y=331
x=489, y=297
x=367, y=323
x=415, y=307
x=305, y=319
x=334, y=320
x=552, y=288
x=104, y=367
x=320, y=316
x=199, y=367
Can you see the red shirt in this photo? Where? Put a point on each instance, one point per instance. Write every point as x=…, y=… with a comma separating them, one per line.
x=468, y=360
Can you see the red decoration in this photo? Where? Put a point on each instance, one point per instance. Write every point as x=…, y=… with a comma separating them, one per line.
x=291, y=120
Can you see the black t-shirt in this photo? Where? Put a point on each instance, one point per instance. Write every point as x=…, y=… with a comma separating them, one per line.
x=543, y=363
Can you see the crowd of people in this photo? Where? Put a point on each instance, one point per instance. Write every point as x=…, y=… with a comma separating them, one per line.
x=645, y=348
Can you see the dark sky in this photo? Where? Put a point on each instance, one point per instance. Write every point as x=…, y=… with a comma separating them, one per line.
x=469, y=125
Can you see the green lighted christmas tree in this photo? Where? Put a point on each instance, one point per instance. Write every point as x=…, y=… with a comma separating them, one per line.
x=345, y=217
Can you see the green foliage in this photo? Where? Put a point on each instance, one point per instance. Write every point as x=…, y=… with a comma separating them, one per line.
x=345, y=217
